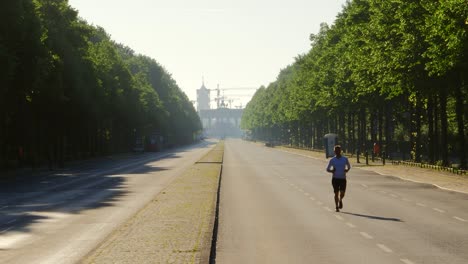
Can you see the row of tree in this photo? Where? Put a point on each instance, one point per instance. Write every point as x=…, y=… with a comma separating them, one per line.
x=67, y=91
x=386, y=72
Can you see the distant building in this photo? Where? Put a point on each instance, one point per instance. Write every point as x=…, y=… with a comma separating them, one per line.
x=203, y=98
x=220, y=122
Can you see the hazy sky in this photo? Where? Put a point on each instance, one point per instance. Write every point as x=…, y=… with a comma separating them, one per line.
x=235, y=43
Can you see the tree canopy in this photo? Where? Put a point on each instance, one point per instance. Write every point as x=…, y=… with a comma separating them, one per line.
x=68, y=91
x=386, y=72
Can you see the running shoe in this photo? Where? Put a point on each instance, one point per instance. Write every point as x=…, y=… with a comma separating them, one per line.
x=341, y=205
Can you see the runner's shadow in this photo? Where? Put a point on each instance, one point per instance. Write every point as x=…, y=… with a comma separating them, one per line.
x=375, y=217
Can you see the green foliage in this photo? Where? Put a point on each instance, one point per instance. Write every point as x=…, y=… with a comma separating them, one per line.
x=67, y=90
x=446, y=33
x=369, y=76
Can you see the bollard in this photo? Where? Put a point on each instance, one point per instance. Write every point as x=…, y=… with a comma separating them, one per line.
x=367, y=157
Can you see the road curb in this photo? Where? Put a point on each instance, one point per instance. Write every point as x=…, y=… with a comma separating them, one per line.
x=214, y=239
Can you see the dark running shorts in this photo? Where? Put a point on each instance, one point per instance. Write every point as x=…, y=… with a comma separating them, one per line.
x=339, y=185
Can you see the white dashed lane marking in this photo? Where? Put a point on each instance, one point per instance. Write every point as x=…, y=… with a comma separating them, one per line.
x=364, y=234
x=11, y=221
x=384, y=248
x=407, y=261
x=5, y=230
x=339, y=217
x=438, y=210
x=460, y=219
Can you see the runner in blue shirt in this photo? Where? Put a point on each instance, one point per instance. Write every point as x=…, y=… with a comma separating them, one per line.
x=339, y=166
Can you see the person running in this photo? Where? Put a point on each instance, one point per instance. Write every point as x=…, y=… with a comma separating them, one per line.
x=339, y=166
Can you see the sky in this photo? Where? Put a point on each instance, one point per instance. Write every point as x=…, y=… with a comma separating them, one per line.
x=233, y=43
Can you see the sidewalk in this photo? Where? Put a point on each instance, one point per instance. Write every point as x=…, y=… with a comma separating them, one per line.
x=176, y=227
x=441, y=179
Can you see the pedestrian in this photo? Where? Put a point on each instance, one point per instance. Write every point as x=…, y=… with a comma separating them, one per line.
x=338, y=166
x=376, y=149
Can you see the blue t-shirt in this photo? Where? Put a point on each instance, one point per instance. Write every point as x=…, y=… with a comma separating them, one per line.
x=339, y=164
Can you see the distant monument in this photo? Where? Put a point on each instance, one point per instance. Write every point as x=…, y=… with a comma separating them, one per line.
x=220, y=122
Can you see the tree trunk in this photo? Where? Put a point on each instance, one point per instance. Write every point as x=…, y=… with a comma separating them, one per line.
x=430, y=134
x=388, y=126
x=444, y=127
x=381, y=118
x=350, y=138
x=436, y=138
x=374, y=125
x=362, y=130
x=342, y=129
x=417, y=139
x=459, y=97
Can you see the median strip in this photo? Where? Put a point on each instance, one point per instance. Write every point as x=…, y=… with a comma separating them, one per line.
x=176, y=226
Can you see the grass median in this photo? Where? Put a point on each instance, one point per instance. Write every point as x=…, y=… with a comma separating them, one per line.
x=176, y=226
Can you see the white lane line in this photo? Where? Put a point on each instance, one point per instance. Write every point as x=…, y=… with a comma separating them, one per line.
x=438, y=210
x=364, y=234
x=363, y=185
x=306, y=194
x=319, y=203
x=420, y=204
x=312, y=198
x=407, y=261
x=384, y=248
x=350, y=225
x=406, y=200
x=384, y=192
x=339, y=217
x=394, y=195
x=11, y=221
x=460, y=219
x=301, y=190
x=6, y=229
x=328, y=209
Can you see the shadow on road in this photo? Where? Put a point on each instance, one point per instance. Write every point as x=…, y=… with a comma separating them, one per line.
x=375, y=217
x=39, y=197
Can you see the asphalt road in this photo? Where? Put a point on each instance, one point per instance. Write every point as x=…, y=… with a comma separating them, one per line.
x=277, y=207
x=59, y=217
